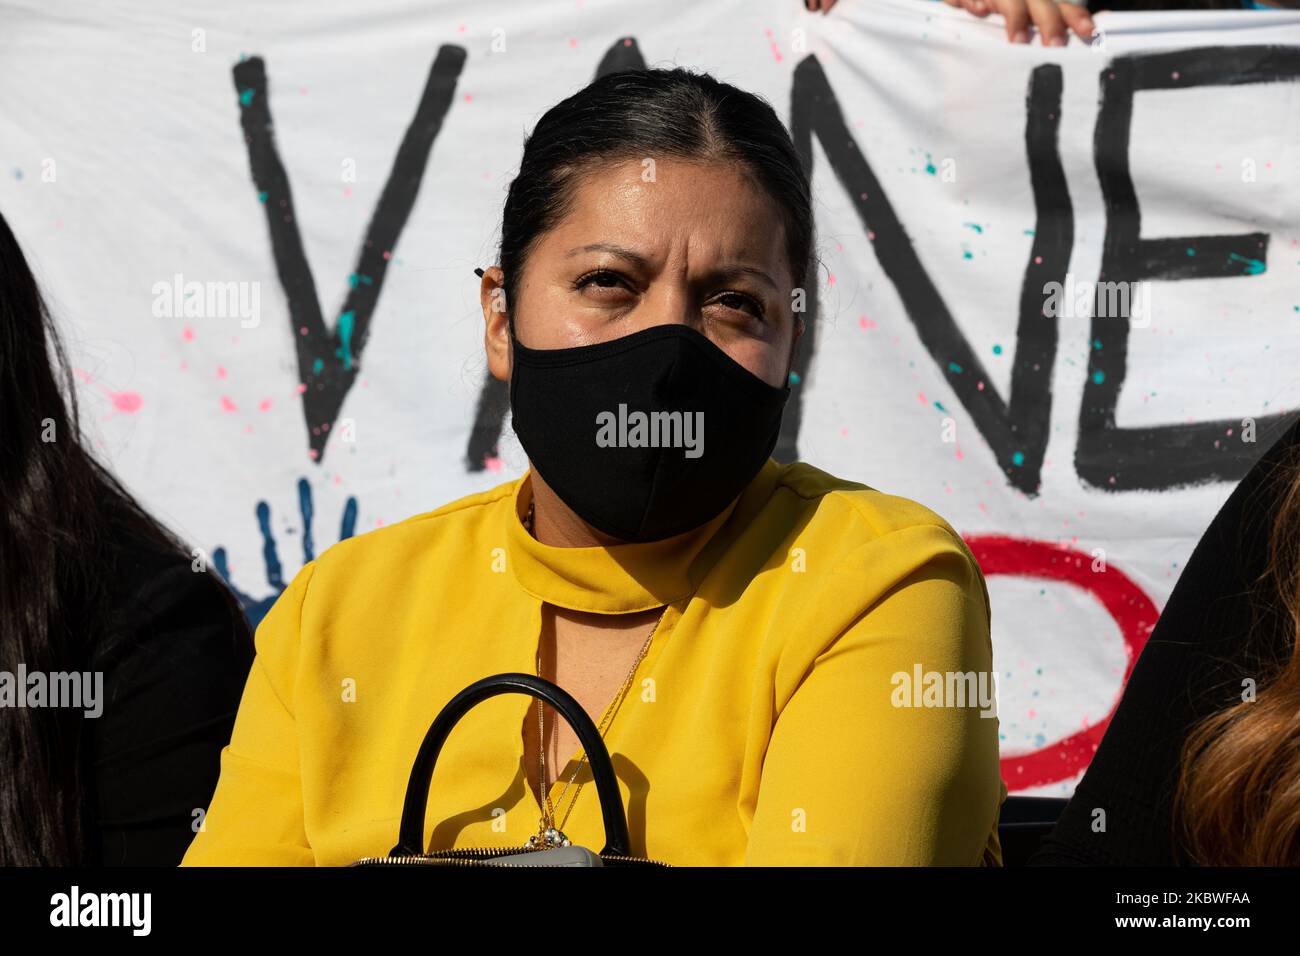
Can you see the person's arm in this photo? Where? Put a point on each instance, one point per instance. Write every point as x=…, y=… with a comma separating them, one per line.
x=172, y=683
x=849, y=778
x=256, y=815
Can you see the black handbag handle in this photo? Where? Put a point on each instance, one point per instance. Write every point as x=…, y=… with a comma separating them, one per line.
x=411, y=834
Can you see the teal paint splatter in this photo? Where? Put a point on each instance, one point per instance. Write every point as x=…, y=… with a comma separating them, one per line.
x=976, y=226
x=997, y=350
x=939, y=405
x=263, y=196
x=929, y=165
x=354, y=280
x=1191, y=251
x=966, y=254
x=1096, y=343
x=794, y=378
x=954, y=367
x=1029, y=232
x=1253, y=266
x=344, y=351
x=1098, y=377
x=317, y=366
x=246, y=96
x=1017, y=459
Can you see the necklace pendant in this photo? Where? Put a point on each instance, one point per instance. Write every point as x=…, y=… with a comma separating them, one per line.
x=549, y=837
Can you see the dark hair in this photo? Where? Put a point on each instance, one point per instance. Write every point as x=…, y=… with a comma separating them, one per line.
x=61, y=512
x=659, y=112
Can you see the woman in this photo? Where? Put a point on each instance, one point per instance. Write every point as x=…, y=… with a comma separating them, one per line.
x=735, y=627
x=96, y=595
x=1201, y=762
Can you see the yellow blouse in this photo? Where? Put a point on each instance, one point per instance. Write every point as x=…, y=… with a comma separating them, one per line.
x=763, y=727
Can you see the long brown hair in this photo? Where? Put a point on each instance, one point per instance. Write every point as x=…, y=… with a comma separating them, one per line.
x=63, y=516
x=1238, y=798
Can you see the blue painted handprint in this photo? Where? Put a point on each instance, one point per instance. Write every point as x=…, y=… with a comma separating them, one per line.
x=255, y=608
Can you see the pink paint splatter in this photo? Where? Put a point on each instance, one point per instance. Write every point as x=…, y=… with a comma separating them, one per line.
x=221, y=371
x=187, y=334
x=227, y=405
x=128, y=402
x=264, y=405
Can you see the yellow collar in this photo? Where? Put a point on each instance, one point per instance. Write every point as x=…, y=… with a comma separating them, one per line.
x=632, y=576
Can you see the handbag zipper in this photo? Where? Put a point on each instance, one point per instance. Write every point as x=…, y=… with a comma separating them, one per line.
x=462, y=856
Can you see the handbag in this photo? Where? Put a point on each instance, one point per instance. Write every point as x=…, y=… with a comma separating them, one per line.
x=409, y=848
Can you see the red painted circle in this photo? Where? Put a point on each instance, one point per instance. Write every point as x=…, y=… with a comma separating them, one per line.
x=1126, y=603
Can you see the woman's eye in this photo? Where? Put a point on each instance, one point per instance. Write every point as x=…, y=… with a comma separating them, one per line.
x=739, y=302
x=601, y=277
x=736, y=301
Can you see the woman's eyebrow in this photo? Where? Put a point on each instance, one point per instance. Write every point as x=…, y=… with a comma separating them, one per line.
x=642, y=262
x=623, y=253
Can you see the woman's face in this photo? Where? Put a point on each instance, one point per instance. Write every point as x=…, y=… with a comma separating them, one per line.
x=697, y=245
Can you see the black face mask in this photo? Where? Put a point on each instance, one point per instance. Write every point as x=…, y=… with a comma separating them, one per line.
x=586, y=417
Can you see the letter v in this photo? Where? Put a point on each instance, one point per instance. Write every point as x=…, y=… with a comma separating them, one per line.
x=327, y=360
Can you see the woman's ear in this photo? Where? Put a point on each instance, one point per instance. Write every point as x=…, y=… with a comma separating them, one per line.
x=496, y=322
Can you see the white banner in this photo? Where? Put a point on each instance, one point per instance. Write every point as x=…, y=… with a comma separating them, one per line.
x=1058, y=295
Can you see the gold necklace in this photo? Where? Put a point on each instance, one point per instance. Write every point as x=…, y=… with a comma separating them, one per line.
x=548, y=833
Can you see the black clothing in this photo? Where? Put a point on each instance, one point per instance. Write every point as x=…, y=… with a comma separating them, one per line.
x=174, y=671
x=1218, y=627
